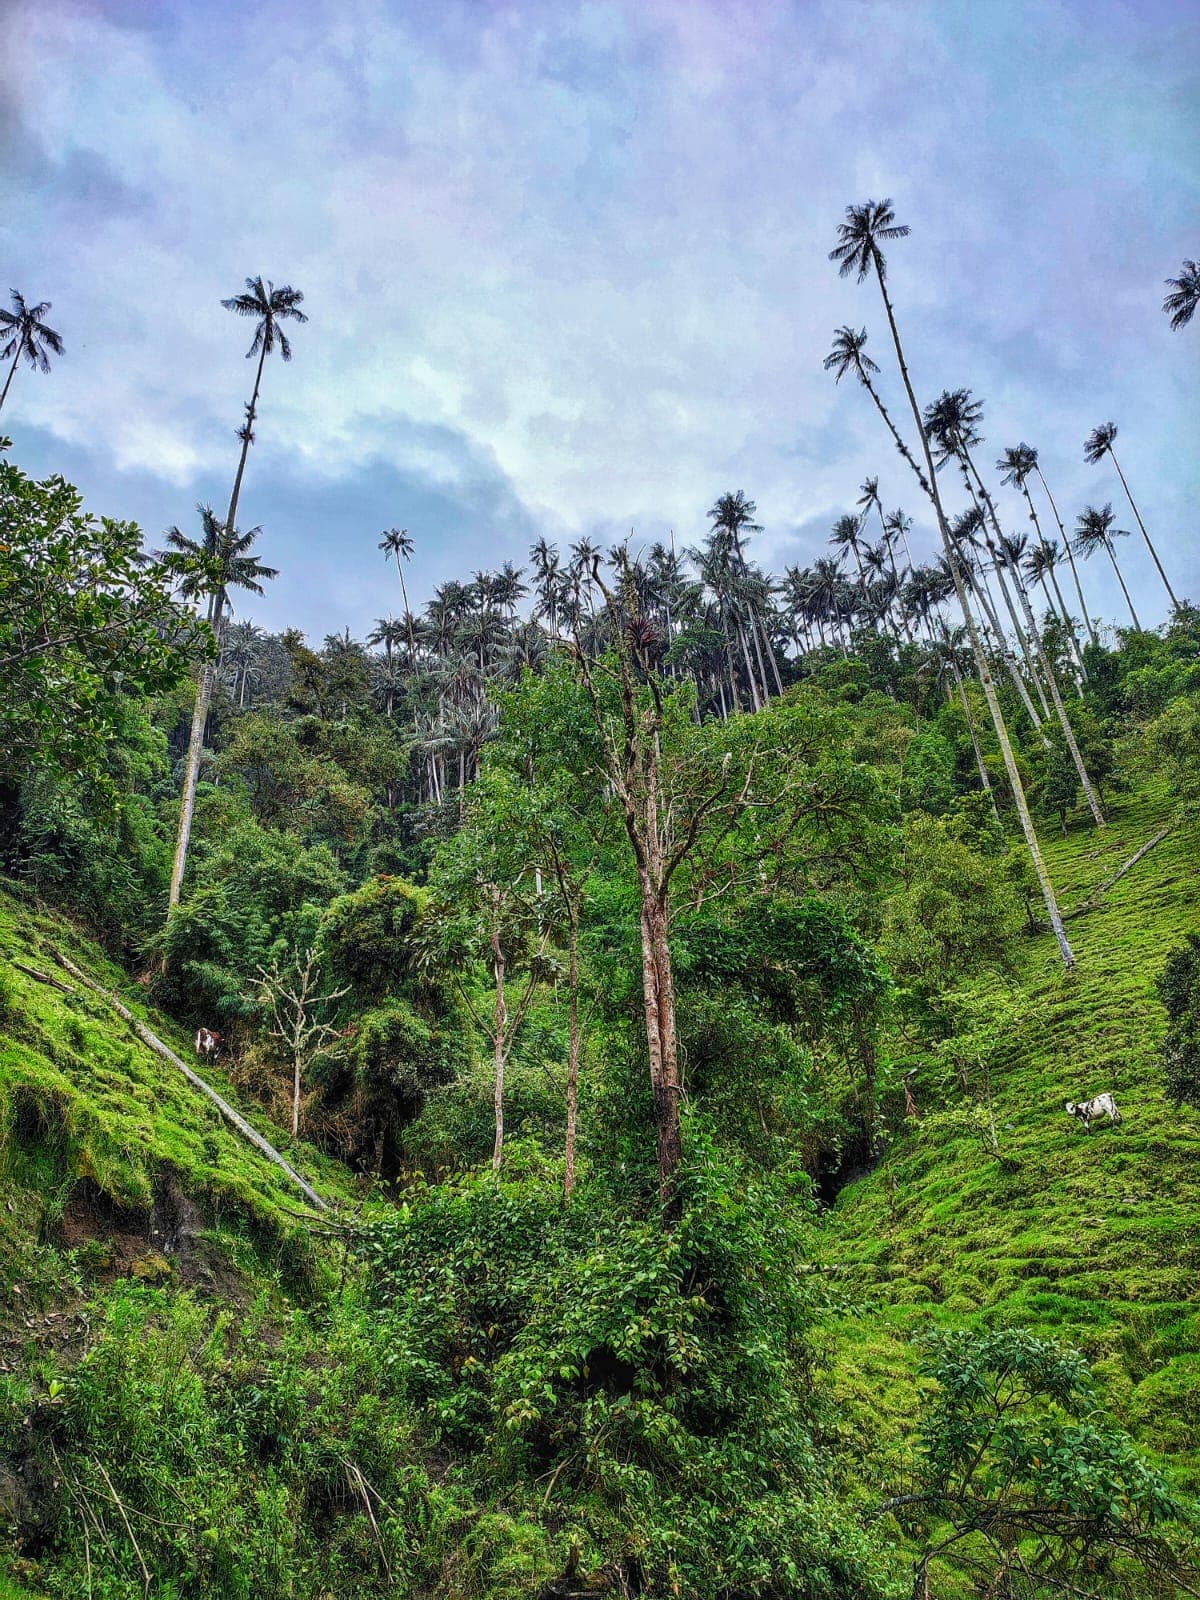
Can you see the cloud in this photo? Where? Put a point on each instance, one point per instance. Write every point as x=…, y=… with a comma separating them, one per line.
x=572, y=257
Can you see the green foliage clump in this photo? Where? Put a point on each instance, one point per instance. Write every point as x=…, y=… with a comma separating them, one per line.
x=248, y=1461
x=254, y=896
x=1179, y=991
x=367, y=937
x=659, y=1383
x=1019, y=1472
x=928, y=781
x=87, y=619
x=953, y=914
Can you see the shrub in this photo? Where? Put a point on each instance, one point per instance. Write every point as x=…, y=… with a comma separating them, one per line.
x=367, y=937
x=1179, y=991
x=1019, y=1472
x=661, y=1379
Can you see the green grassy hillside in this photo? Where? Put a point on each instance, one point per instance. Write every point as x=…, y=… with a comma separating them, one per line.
x=108, y=1153
x=1092, y=1239
x=138, y=1231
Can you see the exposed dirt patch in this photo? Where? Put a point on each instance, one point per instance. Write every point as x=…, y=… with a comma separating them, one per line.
x=164, y=1242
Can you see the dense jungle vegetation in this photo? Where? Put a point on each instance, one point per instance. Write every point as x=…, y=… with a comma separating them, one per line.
x=658, y=983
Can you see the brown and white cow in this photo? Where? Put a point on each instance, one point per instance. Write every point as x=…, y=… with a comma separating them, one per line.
x=208, y=1043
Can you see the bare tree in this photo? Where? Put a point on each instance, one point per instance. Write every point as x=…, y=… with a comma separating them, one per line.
x=295, y=1004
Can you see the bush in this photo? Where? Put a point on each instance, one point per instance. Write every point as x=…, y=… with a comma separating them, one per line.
x=954, y=913
x=254, y=897
x=367, y=937
x=1020, y=1472
x=661, y=1380
x=1179, y=991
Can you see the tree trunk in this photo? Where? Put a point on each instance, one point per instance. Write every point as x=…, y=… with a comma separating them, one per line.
x=1142, y=526
x=755, y=697
x=1010, y=661
x=966, y=705
x=500, y=1049
x=1087, y=621
x=1068, y=620
x=1047, y=670
x=1113, y=558
x=981, y=661
x=204, y=688
x=573, y=1049
x=11, y=374
x=296, y=1095
x=187, y=804
x=659, y=995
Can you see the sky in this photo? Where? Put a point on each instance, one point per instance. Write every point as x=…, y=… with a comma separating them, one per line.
x=566, y=266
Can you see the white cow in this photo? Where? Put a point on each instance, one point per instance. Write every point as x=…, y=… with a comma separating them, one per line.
x=1089, y=1111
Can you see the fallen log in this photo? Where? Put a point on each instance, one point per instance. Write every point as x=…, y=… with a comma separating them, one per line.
x=1101, y=889
x=40, y=977
x=235, y=1118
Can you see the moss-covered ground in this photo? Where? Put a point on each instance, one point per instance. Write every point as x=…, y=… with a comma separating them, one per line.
x=100, y=1136
x=1093, y=1239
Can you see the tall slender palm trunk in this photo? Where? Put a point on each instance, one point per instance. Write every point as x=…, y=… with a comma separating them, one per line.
x=573, y=1049
x=1067, y=619
x=988, y=607
x=1112, y=556
x=1142, y=526
x=500, y=1054
x=1044, y=665
x=1087, y=621
x=984, y=780
x=981, y=661
x=12, y=372
x=208, y=673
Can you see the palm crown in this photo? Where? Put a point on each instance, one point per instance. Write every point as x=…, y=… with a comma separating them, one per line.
x=845, y=532
x=271, y=306
x=396, y=542
x=1015, y=465
x=236, y=568
x=1094, y=530
x=1099, y=441
x=857, y=249
x=951, y=421
x=847, y=355
x=1180, y=305
x=26, y=334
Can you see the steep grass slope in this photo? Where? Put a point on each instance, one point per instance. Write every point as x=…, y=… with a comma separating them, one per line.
x=1094, y=1240
x=104, y=1147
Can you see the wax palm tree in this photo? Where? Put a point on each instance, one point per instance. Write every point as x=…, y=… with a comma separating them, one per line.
x=1094, y=531
x=1180, y=305
x=240, y=656
x=228, y=564
x=845, y=537
x=859, y=251
x=547, y=582
x=508, y=588
x=397, y=545
x=734, y=514
x=26, y=334
x=1099, y=443
x=848, y=355
x=1067, y=546
x=714, y=564
x=1015, y=466
x=1040, y=562
x=237, y=568
x=271, y=307
x=954, y=421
